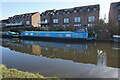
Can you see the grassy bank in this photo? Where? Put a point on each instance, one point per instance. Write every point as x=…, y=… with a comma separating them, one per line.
x=14, y=73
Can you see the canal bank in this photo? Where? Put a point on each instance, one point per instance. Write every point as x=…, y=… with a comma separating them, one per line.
x=13, y=73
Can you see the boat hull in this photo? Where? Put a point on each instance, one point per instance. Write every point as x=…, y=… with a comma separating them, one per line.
x=54, y=39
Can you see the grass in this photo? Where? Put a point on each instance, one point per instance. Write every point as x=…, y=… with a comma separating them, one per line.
x=14, y=73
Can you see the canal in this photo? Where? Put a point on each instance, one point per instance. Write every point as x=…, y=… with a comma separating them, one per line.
x=64, y=60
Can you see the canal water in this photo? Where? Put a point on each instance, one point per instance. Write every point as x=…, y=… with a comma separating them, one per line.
x=64, y=60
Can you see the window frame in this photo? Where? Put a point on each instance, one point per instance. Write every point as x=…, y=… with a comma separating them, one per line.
x=55, y=21
x=91, y=18
x=66, y=20
x=77, y=19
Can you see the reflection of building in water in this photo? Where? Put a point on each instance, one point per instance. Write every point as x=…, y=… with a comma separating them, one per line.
x=77, y=55
x=102, y=61
x=36, y=49
x=116, y=46
x=111, y=54
x=82, y=53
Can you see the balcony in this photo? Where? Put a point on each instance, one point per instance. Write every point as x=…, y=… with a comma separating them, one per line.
x=118, y=17
x=44, y=22
x=14, y=24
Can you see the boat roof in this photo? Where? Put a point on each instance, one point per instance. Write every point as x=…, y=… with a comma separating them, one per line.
x=116, y=36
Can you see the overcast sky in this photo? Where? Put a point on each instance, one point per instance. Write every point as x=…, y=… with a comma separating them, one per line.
x=12, y=7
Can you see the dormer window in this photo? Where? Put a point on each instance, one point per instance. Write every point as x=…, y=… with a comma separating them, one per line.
x=30, y=14
x=95, y=9
x=46, y=14
x=81, y=10
x=75, y=11
x=23, y=16
x=68, y=12
x=53, y=14
x=63, y=12
x=88, y=10
x=42, y=14
x=57, y=13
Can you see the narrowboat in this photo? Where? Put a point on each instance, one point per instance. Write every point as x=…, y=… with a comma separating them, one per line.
x=77, y=34
x=116, y=38
x=10, y=34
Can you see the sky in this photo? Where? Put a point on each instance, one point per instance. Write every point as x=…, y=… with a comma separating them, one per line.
x=10, y=8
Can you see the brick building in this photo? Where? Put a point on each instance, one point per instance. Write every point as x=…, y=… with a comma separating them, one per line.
x=24, y=20
x=77, y=16
x=3, y=23
x=114, y=13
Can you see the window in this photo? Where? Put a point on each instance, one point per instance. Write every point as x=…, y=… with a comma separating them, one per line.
x=77, y=24
x=91, y=25
x=88, y=10
x=55, y=20
x=77, y=19
x=66, y=20
x=118, y=7
x=91, y=18
x=27, y=22
x=75, y=11
x=57, y=13
x=31, y=33
x=26, y=33
x=55, y=25
x=94, y=9
x=63, y=12
x=118, y=17
x=45, y=20
x=53, y=13
x=81, y=10
x=68, y=12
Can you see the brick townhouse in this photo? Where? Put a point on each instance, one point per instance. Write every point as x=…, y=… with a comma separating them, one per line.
x=77, y=16
x=114, y=13
x=24, y=20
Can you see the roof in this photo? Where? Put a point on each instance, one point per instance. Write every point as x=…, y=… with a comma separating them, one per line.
x=114, y=4
x=4, y=20
x=26, y=14
x=71, y=9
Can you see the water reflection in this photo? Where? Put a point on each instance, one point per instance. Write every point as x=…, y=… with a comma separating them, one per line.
x=102, y=61
x=83, y=53
x=51, y=58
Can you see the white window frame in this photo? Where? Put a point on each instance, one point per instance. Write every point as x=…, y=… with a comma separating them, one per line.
x=75, y=11
x=66, y=20
x=77, y=19
x=95, y=9
x=27, y=22
x=55, y=20
x=46, y=20
x=80, y=10
x=91, y=18
x=88, y=10
x=91, y=25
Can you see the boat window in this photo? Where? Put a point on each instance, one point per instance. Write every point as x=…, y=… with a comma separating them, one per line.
x=80, y=30
x=26, y=33
x=31, y=33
